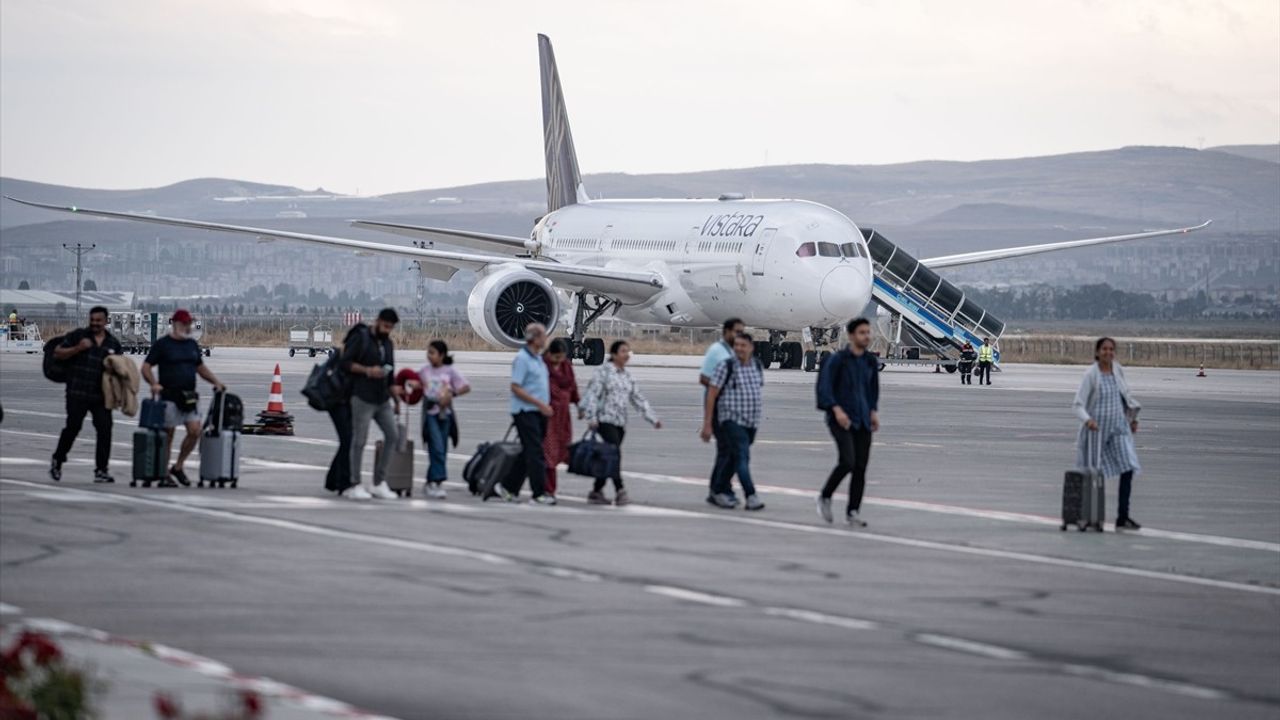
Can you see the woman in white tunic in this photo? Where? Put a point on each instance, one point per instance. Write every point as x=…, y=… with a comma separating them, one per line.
x=1109, y=414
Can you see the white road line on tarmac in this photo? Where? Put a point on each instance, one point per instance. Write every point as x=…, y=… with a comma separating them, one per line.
x=724, y=601
x=694, y=596
x=864, y=536
x=970, y=646
x=914, y=505
x=206, y=667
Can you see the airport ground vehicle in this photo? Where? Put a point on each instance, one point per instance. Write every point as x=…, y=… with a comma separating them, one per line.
x=317, y=340
x=23, y=338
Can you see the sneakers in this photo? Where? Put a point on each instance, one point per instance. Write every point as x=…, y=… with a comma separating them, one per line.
x=383, y=492
x=55, y=471
x=102, y=476
x=824, y=509
x=177, y=474
x=622, y=498
x=435, y=491
x=723, y=500
x=1127, y=524
x=501, y=493
x=357, y=493
x=754, y=502
x=596, y=497
x=544, y=499
x=853, y=519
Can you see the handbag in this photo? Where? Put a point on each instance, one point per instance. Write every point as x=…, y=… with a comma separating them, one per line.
x=326, y=386
x=594, y=457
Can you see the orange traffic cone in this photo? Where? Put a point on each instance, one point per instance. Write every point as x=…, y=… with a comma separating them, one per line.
x=274, y=420
x=1201, y=373
x=275, y=401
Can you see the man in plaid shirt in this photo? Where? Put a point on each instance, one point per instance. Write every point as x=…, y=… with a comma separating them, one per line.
x=735, y=400
x=83, y=351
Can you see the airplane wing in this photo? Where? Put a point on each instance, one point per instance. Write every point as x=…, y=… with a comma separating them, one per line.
x=459, y=238
x=947, y=261
x=627, y=286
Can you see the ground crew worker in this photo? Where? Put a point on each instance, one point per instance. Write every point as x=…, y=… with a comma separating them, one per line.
x=967, y=358
x=13, y=322
x=986, y=358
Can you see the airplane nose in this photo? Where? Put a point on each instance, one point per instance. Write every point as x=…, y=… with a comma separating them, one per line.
x=846, y=290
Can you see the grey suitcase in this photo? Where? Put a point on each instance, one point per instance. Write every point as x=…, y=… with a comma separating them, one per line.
x=219, y=450
x=1084, y=491
x=399, y=476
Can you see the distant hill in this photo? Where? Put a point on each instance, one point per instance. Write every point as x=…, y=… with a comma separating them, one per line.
x=1270, y=153
x=1131, y=186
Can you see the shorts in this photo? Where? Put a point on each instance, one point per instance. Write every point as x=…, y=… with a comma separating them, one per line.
x=173, y=417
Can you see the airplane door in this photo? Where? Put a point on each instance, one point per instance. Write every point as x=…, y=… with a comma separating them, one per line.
x=762, y=250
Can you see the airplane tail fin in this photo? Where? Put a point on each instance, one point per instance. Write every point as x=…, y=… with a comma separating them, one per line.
x=564, y=182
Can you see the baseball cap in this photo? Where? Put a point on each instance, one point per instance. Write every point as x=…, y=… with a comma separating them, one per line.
x=181, y=316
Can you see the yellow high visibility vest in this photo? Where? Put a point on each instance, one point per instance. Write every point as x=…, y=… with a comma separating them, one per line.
x=986, y=354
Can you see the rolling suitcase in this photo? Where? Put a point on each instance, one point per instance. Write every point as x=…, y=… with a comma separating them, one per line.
x=220, y=443
x=399, y=476
x=151, y=414
x=148, y=457
x=1084, y=496
x=493, y=463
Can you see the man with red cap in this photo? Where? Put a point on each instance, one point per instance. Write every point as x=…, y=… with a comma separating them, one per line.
x=178, y=357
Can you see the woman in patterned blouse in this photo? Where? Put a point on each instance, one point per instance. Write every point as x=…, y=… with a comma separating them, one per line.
x=611, y=390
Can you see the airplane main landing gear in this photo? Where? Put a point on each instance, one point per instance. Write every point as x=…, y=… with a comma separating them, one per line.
x=823, y=339
x=788, y=355
x=589, y=350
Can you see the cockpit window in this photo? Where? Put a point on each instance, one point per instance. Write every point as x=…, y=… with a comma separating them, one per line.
x=826, y=249
x=853, y=250
x=806, y=250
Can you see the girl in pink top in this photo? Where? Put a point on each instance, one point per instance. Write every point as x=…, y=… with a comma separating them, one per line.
x=441, y=384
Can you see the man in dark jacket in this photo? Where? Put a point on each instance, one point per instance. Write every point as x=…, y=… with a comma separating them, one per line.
x=369, y=358
x=849, y=392
x=84, y=352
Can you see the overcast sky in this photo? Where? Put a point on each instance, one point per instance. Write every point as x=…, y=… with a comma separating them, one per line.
x=379, y=96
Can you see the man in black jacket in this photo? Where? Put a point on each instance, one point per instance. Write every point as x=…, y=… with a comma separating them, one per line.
x=849, y=391
x=84, y=352
x=369, y=358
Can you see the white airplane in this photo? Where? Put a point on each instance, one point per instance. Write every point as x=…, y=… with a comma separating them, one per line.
x=781, y=265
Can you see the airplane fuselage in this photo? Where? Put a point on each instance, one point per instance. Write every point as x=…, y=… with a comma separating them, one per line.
x=777, y=264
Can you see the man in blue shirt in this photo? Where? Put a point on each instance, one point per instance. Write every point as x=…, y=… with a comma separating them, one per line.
x=849, y=392
x=721, y=487
x=530, y=408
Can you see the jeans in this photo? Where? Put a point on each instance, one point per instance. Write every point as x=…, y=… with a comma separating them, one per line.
x=362, y=413
x=435, y=432
x=612, y=434
x=740, y=439
x=1126, y=488
x=339, y=476
x=854, y=448
x=532, y=428
x=722, y=471
x=77, y=408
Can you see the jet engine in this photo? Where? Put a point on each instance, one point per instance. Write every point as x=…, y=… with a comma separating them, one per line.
x=506, y=301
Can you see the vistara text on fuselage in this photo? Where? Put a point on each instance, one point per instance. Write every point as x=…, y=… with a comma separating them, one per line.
x=760, y=260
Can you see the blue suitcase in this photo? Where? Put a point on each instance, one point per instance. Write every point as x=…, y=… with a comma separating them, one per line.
x=151, y=414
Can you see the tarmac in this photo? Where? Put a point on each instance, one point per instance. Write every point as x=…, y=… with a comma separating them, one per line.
x=961, y=599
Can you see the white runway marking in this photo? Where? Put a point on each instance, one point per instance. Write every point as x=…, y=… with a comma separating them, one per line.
x=694, y=596
x=971, y=647
x=821, y=618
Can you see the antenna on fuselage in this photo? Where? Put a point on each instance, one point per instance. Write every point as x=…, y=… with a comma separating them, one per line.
x=564, y=182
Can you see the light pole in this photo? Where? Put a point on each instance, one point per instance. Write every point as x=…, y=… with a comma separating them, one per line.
x=79, y=251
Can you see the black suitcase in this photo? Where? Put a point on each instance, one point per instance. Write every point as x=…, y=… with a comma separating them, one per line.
x=1084, y=496
x=148, y=457
x=493, y=463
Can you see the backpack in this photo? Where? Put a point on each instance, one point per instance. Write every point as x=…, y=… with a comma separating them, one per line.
x=54, y=369
x=829, y=366
x=326, y=387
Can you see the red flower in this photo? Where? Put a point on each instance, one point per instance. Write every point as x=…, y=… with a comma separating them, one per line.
x=166, y=707
x=252, y=703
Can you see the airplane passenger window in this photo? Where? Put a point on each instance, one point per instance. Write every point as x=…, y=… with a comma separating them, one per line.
x=826, y=249
x=806, y=250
